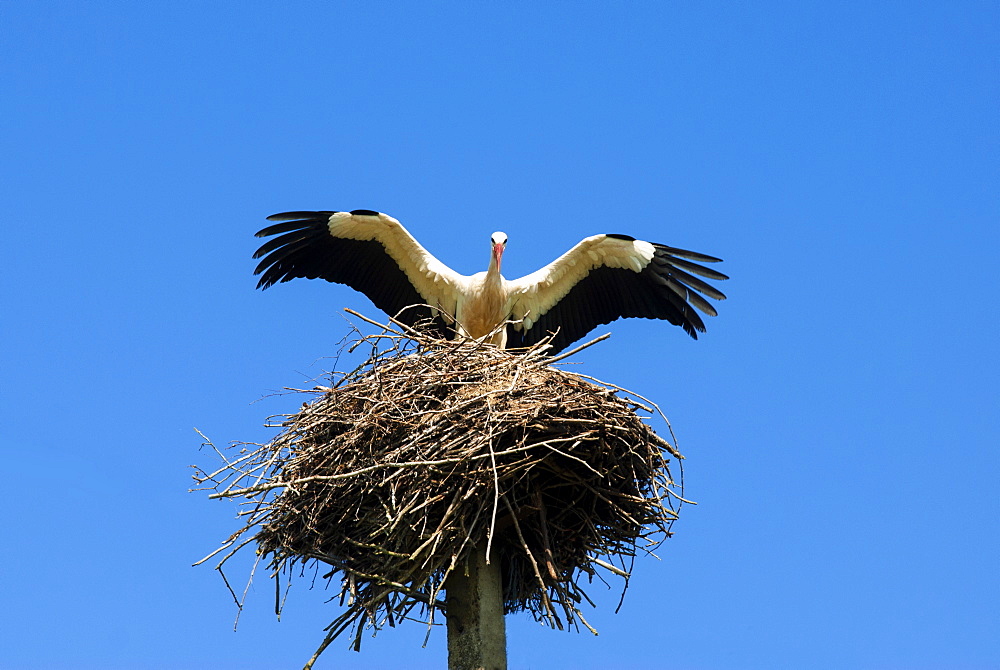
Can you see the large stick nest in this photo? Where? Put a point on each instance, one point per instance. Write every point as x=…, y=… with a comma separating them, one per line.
x=394, y=473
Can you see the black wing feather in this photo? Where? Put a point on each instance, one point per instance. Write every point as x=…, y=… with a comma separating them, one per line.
x=701, y=270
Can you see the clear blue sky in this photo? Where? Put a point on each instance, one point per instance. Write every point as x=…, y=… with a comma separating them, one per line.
x=840, y=417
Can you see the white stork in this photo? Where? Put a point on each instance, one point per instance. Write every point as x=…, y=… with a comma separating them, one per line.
x=603, y=278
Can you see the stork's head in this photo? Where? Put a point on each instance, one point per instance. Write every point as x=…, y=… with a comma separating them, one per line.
x=499, y=243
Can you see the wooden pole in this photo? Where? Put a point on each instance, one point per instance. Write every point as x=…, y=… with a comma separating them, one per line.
x=477, y=634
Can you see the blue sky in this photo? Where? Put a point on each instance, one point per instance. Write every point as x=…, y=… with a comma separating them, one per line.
x=840, y=417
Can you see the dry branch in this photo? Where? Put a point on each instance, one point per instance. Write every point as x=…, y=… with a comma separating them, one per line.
x=392, y=474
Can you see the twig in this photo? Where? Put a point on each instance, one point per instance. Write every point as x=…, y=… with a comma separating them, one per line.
x=578, y=349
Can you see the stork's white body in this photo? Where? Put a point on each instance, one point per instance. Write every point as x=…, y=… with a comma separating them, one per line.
x=482, y=306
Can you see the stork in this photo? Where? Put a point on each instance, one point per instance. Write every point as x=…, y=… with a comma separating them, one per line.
x=603, y=278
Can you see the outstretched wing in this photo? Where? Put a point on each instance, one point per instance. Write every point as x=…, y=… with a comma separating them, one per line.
x=607, y=277
x=366, y=250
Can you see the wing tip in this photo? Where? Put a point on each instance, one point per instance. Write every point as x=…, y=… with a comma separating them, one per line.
x=304, y=215
x=688, y=254
x=264, y=282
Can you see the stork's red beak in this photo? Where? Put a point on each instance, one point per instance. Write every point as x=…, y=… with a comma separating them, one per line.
x=497, y=252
